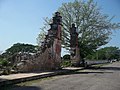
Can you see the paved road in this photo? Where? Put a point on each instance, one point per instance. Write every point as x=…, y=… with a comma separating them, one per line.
x=105, y=78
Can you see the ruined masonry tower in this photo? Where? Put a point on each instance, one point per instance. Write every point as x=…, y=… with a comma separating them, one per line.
x=50, y=56
x=75, y=53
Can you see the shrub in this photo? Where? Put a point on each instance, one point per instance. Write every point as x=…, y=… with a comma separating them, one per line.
x=66, y=63
x=66, y=57
x=4, y=62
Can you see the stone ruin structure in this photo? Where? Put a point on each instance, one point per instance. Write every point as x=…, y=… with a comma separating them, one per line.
x=49, y=57
x=74, y=49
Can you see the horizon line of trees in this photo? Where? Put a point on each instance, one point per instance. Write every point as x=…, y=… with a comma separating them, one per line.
x=106, y=53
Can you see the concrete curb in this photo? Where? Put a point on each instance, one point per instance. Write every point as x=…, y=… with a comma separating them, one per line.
x=34, y=77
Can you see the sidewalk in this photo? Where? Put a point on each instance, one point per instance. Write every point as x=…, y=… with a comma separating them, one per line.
x=22, y=77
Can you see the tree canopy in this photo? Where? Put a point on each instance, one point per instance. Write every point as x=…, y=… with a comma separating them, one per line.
x=94, y=27
x=20, y=47
x=105, y=54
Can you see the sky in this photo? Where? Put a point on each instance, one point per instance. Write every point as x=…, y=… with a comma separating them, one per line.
x=21, y=20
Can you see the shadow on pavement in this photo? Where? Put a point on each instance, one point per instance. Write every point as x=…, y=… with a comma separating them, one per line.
x=84, y=72
x=110, y=68
x=1, y=79
x=91, y=72
x=16, y=87
x=103, y=68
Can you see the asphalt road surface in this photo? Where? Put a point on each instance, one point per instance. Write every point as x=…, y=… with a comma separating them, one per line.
x=104, y=78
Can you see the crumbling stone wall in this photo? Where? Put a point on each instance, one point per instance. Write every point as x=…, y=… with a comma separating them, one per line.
x=50, y=56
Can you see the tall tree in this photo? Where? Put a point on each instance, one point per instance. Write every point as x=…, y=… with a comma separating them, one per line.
x=94, y=28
